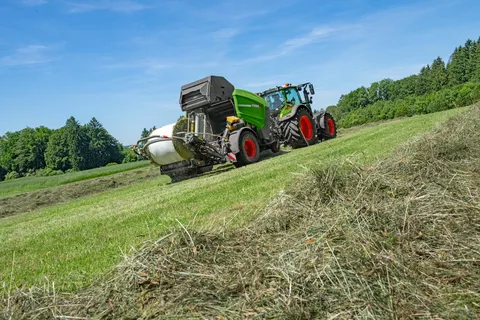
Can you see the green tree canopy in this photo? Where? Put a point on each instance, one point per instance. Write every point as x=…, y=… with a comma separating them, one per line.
x=463, y=66
x=73, y=146
x=438, y=75
x=77, y=141
x=103, y=148
x=57, y=155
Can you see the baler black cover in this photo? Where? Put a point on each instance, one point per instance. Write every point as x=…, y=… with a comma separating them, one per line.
x=211, y=95
x=205, y=92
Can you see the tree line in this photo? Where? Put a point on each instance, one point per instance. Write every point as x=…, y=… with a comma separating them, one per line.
x=43, y=151
x=436, y=87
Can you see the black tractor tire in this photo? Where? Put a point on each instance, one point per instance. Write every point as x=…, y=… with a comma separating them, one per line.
x=249, y=149
x=275, y=147
x=300, y=131
x=330, y=130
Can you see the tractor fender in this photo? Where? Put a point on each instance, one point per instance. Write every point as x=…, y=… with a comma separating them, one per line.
x=319, y=119
x=234, y=138
x=294, y=112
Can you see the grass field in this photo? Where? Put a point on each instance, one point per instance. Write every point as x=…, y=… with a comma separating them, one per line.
x=76, y=242
x=28, y=201
x=28, y=184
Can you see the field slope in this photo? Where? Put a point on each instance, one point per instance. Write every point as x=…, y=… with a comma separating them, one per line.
x=74, y=243
x=33, y=200
x=28, y=184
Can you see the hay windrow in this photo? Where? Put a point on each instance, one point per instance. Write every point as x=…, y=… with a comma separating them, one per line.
x=395, y=240
x=29, y=201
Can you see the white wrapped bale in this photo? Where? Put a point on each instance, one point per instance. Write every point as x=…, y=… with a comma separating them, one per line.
x=164, y=152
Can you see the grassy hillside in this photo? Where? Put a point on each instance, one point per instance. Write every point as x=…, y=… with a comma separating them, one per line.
x=28, y=184
x=29, y=201
x=396, y=239
x=73, y=243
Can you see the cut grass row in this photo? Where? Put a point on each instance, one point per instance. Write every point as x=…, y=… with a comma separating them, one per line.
x=28, y=184
x=76, y=242
x=29, y=201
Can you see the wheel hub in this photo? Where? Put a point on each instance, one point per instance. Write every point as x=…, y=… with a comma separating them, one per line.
x=306, y=127
x=331, y=126
x=250, y=148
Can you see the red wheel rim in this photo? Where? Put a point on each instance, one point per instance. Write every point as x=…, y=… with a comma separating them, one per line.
x=331, y=126
x=306, y=127
x=250, y=148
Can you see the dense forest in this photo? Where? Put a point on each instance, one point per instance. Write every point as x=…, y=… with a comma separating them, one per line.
x=42, y=151
x=436, y=87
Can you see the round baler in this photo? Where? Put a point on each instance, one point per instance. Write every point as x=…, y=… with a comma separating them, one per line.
x=221, y=124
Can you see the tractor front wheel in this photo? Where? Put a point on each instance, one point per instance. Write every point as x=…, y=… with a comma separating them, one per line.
x=300, y=131
x=249, y=149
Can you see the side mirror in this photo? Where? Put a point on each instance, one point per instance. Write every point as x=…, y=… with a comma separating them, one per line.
x=310, y=88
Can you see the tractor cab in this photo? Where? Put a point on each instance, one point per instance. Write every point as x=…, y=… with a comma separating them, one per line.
x=287, y=96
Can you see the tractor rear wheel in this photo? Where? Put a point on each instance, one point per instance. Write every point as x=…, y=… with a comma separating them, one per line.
x=249, y=149
x=330, y=130
x=300, y=131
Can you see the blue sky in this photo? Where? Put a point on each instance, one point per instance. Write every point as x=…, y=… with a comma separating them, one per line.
x=123, y=61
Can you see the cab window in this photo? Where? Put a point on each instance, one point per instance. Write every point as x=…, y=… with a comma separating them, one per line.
x=292, y=96
x=274, y=100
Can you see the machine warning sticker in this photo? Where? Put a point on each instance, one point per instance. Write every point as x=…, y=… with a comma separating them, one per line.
x=232, y=157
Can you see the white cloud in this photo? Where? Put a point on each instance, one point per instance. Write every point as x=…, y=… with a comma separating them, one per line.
x=250, y=14
x=123, y=6
x=81, y=7
x=28, y=55
x=33, y=2
x=313, y=36
x=293, y=44
x=261, y=84
x=226, y=33
x=148, y=66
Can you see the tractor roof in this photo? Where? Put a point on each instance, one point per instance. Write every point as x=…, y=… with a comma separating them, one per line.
x=285, y=86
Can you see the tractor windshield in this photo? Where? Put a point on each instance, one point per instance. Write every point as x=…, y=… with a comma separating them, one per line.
x=292, y=96
x=274, y=100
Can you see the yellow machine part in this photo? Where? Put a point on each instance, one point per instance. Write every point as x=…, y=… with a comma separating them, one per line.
x=232, y=119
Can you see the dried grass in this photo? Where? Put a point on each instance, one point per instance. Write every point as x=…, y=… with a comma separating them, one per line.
x=399, y=239
x=29, y=201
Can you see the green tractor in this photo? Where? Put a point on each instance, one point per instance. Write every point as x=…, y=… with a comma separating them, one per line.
x=223, y=124
x=294, y=121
